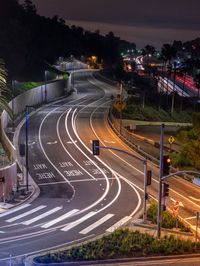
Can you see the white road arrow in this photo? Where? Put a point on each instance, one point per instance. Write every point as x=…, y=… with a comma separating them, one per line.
x=53, y=142
x=70, y=142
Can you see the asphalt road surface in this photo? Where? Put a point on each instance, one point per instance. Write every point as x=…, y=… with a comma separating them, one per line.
x=81, y=195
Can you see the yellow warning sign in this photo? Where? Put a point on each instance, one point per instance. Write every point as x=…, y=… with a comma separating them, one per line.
x=119, y=105
x=171, y=139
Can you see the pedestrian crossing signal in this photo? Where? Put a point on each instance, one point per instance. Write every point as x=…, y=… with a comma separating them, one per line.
x=95, y=147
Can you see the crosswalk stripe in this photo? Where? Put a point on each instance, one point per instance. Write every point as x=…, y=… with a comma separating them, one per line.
x=39, y=217
x=14, y=210
x=77, y=222
x=118, y=224
x=96, y=224
x=25, y=214
x=59, y=219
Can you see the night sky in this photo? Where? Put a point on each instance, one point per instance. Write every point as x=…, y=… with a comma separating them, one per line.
x=141, y=21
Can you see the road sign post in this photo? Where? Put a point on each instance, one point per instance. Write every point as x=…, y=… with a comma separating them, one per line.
x=197, y=225
x=159, y=217
x=145, y=193
x=171, y=139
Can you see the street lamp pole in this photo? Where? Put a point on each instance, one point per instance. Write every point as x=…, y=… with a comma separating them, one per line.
x=159, y=217
x=45, y=91
x=145, y=192
x=13, y=105
x=27, y=165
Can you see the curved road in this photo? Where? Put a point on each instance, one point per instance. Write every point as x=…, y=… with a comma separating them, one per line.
x=80, y=197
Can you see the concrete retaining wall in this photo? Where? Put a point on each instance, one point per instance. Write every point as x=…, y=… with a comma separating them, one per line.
x=10, y=175
x=34, y=97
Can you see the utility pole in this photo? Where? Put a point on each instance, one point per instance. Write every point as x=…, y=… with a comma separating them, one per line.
x=145, y=192
x=13, y=104
x=159, y=217
x=121, y=99
x=27, y=165
x=45, y=91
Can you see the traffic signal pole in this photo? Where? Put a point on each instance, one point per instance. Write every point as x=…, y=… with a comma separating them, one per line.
x=159, y=217
x=145, y=192
x=96, y=151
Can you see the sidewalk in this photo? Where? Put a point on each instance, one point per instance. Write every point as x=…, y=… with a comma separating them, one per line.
x=19, y=197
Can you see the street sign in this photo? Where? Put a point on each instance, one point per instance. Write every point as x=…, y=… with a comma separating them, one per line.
x=171, y=139
x=119, y=105
x=176, y=208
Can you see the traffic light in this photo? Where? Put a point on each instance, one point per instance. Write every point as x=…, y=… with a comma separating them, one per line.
x=165, y=190
x=95, y=147
x=166, y=164
x=149, y=174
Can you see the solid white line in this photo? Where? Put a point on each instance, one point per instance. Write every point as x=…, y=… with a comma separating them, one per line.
x=194, y=198
x=61, y=218
x=52, y=183
x=118, y=224
x=14, y=210
x=77, y=222
x=39, y=217
x=190, y=218
x=96, y=224
x=45, y=154
x=25, y=214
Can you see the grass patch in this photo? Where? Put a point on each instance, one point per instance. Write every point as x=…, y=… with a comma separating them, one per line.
x=149, y=113
x=30, y=85
x=168, y=220
x=120, y=244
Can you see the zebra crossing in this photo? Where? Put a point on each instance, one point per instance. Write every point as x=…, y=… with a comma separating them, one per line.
x=27, y=210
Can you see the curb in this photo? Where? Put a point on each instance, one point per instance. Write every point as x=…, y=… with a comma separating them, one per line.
x=123, y=260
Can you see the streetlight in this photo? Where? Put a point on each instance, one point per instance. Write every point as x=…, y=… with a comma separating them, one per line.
x=14, y=82
x=27, y=155
x=45, y=91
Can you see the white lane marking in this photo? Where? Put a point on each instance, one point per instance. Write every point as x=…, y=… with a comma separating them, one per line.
x=66, y=128
x=118, y=224
x=114, y=173
x=194, y=198
x=26, y=213
x=61, y=218
x=53, y=142
x=96, y=224
x=52, y=183
x=106, y=178
x=109, y=141
x=71, y=142
x=77, y=222
x=2, y=232
x=31, y=143
x=14, y=210
x=48, y=159
x=180, y=203
x=190, y=218
x=39, y=217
